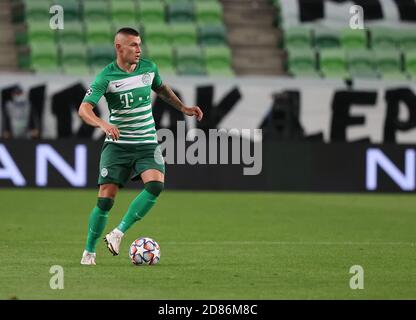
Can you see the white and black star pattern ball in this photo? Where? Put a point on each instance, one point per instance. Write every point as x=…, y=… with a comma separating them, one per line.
x=144, y=251
x=89, y=92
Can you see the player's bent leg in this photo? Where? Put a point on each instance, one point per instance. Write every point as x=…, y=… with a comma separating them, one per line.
x=108, y=190
x=97, y=221
x=139, y=207
x=152, y=175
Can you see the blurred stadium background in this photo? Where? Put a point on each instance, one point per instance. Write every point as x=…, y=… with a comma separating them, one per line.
x=337, y=109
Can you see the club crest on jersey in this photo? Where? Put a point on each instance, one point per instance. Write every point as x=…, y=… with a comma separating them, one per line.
x=146, y=78
x=104, y=172
x=158, y=157
x=89, y=92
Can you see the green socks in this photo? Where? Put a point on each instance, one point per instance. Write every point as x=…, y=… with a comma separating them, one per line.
x=97, y=222
x=141, y=205
x=137, y=210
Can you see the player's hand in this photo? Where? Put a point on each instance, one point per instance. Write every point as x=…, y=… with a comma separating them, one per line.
x=193, y=111
x=111, y=131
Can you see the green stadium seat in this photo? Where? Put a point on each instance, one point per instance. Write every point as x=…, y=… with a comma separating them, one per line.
x=144, y=51
x=99, y=33
x=72, y=33
x=117, y=24
x=167, y=2
x=39, y=31
x=162, y=55
x=326, y=38
x=128, y=24
x=24, y=61
x=96, y=10
x=383, y=38
x=218, y=61
x=100, y=55
x=353, y=38
x=78, y=70
x=151, y=12
x=21, y=38
x=302, y=63
x=278, y=20
x=184, y=34
x=212, y=34
x=278, y=14
x=72, y=10
x=407, y=39
x=37, y=10
x=208, y=12
x=389, y=64
x=298, y=37
x=44, y=57
x=73, y=53
x=190, y=61
x=361, y=64
x=157, y=34
x=18, y=12
x=410, y=64
x=180, y=12
x=131, y=3
x=123, y=12
x=333, y=63
x=74, y=59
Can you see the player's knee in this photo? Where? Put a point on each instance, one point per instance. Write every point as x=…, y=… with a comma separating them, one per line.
x=108, y=191
x=105, y=204
x=154, y=187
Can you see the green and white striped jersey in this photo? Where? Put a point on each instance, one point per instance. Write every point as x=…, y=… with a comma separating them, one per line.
x=128, y=97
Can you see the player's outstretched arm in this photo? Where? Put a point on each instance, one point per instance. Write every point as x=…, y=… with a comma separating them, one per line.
x=167, y=95
x=86, y=114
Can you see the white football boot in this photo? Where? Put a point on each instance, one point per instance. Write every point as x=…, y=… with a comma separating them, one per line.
x=88, y=258
x=113, y=240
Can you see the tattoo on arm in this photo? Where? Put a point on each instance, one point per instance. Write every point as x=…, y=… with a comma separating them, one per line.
x=167, y=95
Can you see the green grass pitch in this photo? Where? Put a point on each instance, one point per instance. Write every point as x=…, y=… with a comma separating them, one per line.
x=214, y=245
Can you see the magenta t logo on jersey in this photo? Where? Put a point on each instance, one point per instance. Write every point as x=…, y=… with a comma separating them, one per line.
x=126, y=98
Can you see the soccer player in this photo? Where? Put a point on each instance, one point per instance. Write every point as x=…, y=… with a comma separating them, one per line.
x=130, y=149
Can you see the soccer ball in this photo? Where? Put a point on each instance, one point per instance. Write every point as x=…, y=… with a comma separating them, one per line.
x=144, y=251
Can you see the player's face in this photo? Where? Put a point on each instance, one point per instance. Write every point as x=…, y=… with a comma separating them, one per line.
x=130, y=49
